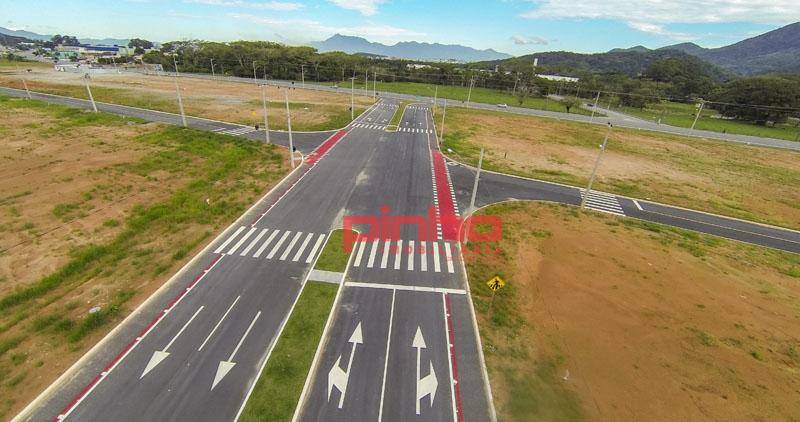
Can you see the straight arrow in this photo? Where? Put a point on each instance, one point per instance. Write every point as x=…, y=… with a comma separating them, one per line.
x=160, y=355
x=225, y=366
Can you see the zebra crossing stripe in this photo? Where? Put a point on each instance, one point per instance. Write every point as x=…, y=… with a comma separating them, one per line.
x=253, y=243
x=241, y=241
x=397, y=254
x=436, y=266
x=360, y=253
x=302, y=247
x=229, y=240
x=372, y=253
x=313, y=252
x=385, y=256
x=278, y=245
x=448, y=256
x=411, y=254
x=291, y=245
x=266, y=243
x=423, y=263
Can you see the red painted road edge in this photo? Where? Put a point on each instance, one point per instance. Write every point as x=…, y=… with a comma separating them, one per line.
x=452, y=335
x=446, y=207
x=311, y=159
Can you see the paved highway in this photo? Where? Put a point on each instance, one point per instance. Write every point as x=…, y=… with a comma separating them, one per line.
x=402, y=341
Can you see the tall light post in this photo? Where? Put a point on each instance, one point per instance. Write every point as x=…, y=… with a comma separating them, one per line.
x=213, y=75
x=596, y=165
x=89, y=90
x=303, y=75
x=596, y=100
x=178, y=93
x=255, y=78
x=374, y=84
x=289, y=125
x=444, y=111
x=700, y=111
x=266, y=121
x=352, y=98
x=469, y=94
x=366, y=82
x=435, y=95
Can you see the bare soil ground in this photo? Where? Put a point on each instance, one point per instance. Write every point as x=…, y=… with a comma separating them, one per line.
x=737, y=180
x=227, y=101
x=99, y=211
x=615, y=319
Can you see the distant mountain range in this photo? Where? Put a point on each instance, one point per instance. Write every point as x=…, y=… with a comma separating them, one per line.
x=39, y=37
x=408, y=50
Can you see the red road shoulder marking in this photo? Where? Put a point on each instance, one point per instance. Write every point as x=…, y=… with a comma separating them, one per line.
x=452, y=335
x=444, y=197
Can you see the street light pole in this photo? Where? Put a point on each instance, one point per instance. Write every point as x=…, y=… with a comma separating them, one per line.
x=266, y=121
x=255, y=78
x=213, y=75
x=178, y=92
x=444, y=111
x=374, y=84
x=475, y=185
x=435, y=95
x=702, y=104
x=469, y=94
x=303, y=75
x=289, y=125
x=352, y=99
x=366, y=82
x=596, y=100
x=89, y=90
x=594, y=170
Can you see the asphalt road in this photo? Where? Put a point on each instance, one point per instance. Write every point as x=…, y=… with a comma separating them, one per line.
x=613, y=117
x=193, y=350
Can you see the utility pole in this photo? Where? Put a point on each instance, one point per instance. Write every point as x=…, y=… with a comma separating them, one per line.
x=475, y=185
x=213, y=75
x=596, y=100
x=89, y=90
x=255, y=79
x=303, y=75
x=374, y=84
x=469, y=94
x=514, y=92
x=444, y=111
x=435, y=95
x=266, y=121
x=352, y=95
x=24, y=83
x=366, y=82
x=178, y=92
x=594, y=170
x=702, y=104
x=289, y=125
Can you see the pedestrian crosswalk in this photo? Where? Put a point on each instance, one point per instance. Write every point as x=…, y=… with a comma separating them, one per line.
x=369, y=126
x=281, y=245
x=601, y=201
x=414, y=130
x=414, y=107
x=405, y=255
x=236, y=131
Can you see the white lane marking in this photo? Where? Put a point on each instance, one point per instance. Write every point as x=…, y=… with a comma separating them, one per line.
x=449, y=357
x=229, y=240
x=266, y=243
x=448, y=256
x=313, y=252
x=436, y=265
x=372, y=253
x=160, y=355
x=386, y=357
x=385, y=256
x=338, y=377
x=241, y=241
x=291, y=245
x=635, y=202
x=388, y=286
x=359, y=253
x=213, y=330
x=278, y=245
x=226, y=366
x=411, y=254
x=253, y=243
x=423, y=255
x=398, y=255
x=302, y=247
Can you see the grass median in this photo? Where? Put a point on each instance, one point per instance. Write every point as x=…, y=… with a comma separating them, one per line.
x=278, y=389
x=398, y=114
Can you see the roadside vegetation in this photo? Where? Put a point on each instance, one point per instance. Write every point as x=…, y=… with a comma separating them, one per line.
x=753, y=183
x=397, y=116
x=97, y=211
x=597, y=322
x=278, y=389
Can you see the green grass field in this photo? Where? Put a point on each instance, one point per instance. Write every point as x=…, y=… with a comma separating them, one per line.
x=334, y=256
x=682, y=115
x=479, y=95
x=398, y=114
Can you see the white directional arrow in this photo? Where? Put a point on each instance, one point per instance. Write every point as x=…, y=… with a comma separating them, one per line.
x=428, y=384
x=225, y=366
x=338, y=377
x=160, y=355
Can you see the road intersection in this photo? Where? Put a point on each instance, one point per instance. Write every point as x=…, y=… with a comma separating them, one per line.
x=402, y=342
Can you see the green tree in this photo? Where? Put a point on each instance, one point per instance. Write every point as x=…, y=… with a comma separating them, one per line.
x=570, y=102
x=759, y=99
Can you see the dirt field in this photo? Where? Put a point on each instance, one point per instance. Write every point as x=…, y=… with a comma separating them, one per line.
x=97, y=212
x=227, y=101
x=614, y=319
x=746, y=182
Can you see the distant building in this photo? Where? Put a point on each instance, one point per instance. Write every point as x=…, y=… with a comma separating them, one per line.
x=93, y=51
x=558, y=78
x=418, y=66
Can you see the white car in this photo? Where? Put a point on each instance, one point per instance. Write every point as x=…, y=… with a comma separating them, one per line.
x=502, y=105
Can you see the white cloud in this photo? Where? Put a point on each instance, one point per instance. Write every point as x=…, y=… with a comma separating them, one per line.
x=365, y=7
x=652, y=15
x=311, y=29
x=520, y=40
x=279, y=6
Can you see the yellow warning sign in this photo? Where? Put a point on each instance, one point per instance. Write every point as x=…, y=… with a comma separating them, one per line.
x=495, y=283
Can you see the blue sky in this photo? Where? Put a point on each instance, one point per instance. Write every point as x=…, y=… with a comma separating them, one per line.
x=512, y=26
